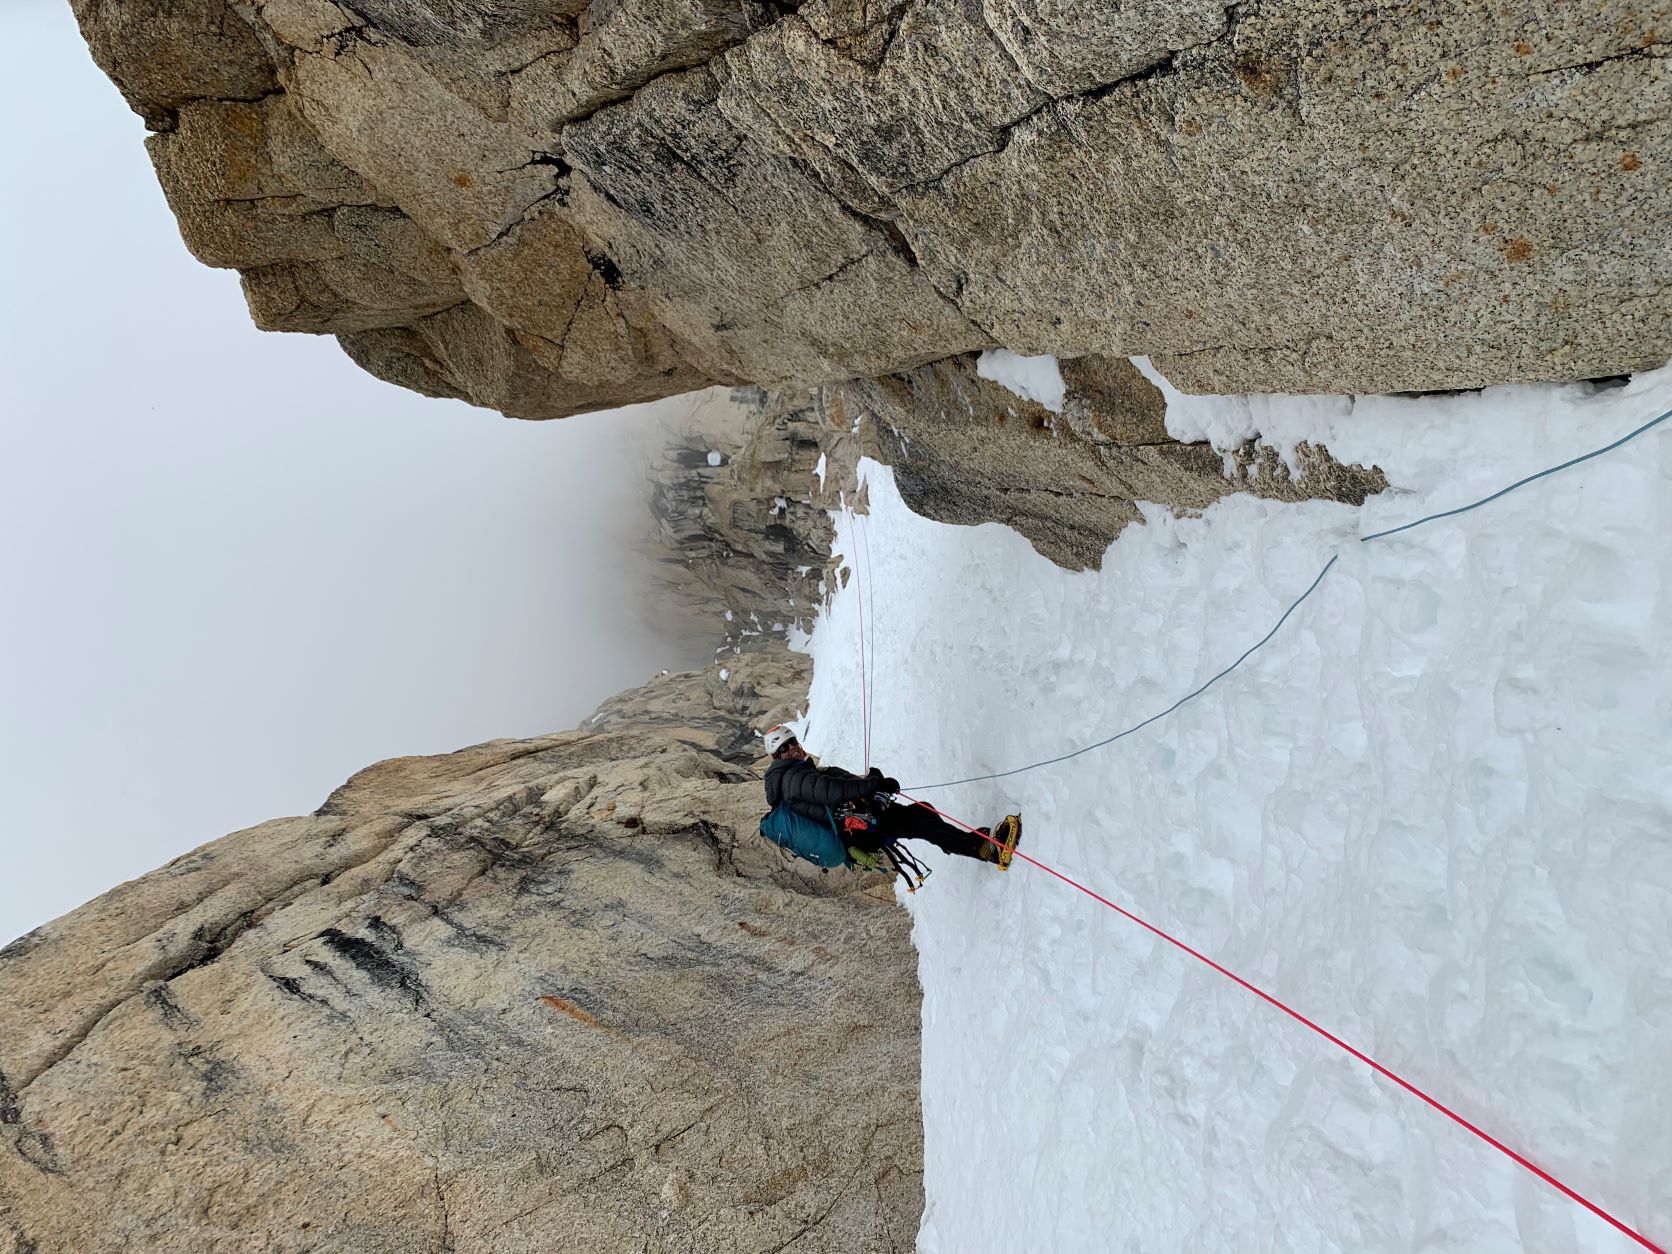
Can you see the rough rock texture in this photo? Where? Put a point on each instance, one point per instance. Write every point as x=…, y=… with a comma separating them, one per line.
x=534, y=995
x=549, y=206
x=744, y=488
x=742, y=493
x=967, y=450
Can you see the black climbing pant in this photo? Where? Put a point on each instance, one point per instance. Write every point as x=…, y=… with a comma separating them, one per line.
x=913, y=822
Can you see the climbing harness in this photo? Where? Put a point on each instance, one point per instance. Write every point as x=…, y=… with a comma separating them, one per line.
x=890, y=856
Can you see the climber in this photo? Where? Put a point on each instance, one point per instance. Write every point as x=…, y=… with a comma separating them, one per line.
x=835, y=818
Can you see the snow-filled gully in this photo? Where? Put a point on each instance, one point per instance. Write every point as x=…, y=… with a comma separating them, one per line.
x=1434, y=814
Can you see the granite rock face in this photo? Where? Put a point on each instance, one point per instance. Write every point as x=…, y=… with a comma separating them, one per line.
x=533, y=995
x=967, y=450
x=551, y=206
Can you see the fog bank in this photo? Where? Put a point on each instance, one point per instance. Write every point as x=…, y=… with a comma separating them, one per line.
x=235, y=567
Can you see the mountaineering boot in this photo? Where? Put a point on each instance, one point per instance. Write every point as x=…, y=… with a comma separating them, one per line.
x=987, y=851
x=1008, y=832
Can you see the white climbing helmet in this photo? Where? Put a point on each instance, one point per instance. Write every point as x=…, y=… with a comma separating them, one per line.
x=777, y=737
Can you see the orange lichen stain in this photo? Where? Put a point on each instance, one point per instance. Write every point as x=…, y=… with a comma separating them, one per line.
x=1454, y=73
x=1523, y=49
x=1256, y=74
x=1190, y=127
x=1488, y=228
x=1650, y=37
x=247, y=122
x=573, y=1011
x=752, y=929
x=1518, y=249
x=1630, y=162
x=776, y=1189
x=463, y=180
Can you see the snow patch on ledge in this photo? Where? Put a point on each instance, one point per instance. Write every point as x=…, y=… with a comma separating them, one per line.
x=1228, y=422
x=1032, y=378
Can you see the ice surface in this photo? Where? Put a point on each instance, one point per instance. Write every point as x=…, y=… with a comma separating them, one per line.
x=715, y=459
x=1434, y=814
x=1034, y=378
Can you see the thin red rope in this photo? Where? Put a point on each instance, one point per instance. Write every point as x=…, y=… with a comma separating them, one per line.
x=1366, y=1059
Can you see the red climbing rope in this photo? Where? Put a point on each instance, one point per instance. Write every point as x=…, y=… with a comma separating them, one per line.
x=1294, y=1014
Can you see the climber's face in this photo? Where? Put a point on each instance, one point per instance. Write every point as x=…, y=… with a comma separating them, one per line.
x=792, y=750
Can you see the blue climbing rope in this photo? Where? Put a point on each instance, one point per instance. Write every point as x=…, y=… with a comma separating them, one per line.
x=1255, y=648
x=1521, y=483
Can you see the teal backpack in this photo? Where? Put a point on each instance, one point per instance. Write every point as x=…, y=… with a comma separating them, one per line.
x=819, y=843
x=822, y=845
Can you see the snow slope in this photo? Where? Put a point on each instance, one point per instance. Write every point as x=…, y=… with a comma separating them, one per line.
x=1434, y=814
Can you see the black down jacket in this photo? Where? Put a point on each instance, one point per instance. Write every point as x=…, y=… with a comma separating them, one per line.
x=810, y=789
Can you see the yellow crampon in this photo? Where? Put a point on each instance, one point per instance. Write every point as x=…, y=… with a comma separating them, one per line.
x=1007, y=833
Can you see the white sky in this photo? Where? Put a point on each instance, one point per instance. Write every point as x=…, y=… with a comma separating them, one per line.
x=234, y=568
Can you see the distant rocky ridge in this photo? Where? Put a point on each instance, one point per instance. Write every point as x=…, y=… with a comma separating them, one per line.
x=741, y=494
x=550, y=206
